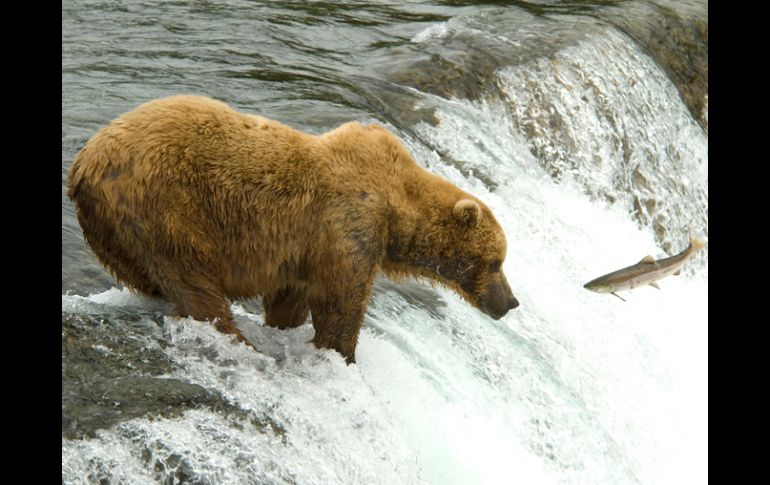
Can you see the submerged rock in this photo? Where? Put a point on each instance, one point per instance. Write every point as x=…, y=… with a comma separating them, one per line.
x=676, y=37
x=114, y=369
x=461, y=71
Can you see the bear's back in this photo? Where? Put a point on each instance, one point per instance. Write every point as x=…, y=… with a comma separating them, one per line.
x=197, y=142
x=187, y=175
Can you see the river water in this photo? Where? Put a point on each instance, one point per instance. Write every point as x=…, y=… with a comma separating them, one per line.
x=584, y=127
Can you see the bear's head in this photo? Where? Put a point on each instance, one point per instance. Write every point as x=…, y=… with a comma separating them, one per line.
x=477, y=272
x=460, y=245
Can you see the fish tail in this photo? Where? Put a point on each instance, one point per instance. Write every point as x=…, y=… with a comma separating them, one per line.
x=696, y=243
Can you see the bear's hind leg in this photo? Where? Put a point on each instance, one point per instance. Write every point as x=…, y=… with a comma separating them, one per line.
x=286, y=308
x=204, y=303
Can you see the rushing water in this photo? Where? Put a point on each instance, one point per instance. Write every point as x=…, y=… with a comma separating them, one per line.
x=583, y=125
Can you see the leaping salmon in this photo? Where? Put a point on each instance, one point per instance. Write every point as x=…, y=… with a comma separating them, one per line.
x=645, y=272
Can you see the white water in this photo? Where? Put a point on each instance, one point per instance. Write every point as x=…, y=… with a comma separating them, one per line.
x=571, y=387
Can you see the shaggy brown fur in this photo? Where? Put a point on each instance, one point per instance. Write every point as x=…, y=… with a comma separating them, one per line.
x=188, y=199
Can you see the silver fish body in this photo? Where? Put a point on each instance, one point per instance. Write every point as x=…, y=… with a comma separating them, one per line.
x=645, y=272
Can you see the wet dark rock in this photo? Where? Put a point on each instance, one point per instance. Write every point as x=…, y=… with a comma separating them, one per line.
x=460, y=71
x=103, y=402
x=100, y=342
x=396, y=104
x=678, y=42
x=114, y=369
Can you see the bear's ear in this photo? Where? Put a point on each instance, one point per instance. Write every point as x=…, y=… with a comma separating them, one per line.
x=467, y=212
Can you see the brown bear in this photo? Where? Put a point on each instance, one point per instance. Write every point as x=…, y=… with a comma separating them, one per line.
x=187, y=199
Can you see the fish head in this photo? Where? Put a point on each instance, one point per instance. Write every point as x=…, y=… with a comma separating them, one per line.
x=599, y=286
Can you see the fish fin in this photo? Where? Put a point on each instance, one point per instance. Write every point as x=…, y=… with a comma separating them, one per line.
x=654, y=285
x=678, y=272
x=648, y=259
x=613, y=293
x=696, y=243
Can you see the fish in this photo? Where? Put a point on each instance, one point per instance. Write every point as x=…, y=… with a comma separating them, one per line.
x=646, y=272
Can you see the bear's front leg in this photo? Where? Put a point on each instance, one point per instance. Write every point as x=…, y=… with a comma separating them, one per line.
x=338, y=314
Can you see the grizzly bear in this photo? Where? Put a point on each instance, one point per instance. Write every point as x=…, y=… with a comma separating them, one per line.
x=187, y=199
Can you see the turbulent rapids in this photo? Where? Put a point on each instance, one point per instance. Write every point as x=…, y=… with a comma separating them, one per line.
x=582, y=128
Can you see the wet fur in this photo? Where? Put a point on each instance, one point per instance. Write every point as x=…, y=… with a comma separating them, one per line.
x=188, y=199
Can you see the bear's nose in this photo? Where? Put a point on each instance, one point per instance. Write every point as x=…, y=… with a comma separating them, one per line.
x=512, y=303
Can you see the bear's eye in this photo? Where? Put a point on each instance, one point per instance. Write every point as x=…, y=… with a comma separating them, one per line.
x=494, y=266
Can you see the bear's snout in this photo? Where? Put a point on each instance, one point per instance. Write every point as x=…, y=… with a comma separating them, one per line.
x=512, y=303
x=498, y=298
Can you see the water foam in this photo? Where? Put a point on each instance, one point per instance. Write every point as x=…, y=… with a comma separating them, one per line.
x=571, y=387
